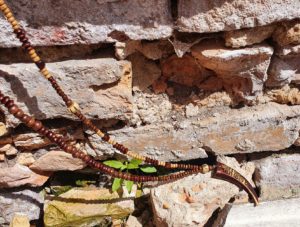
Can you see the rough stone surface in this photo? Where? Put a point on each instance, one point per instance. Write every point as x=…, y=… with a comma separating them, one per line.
x=52, y=23
x=23, y=202
x=56, y=161
x=277, y=177
x=19, y=175
x=267, y=214
x=247, y=37
x=287, y=33
x=102, y=87
x=280, y=73
x=192, y=200
x=25, y=159
x=86, y=207
x=224, y=131
x=244, y=81
x=223, y=15
x=20, y=221
x=144, y=72
x=3, y=129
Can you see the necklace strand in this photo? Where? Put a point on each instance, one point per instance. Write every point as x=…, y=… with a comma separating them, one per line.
x=74, y=107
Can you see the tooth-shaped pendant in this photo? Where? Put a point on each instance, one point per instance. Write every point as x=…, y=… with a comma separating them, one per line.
x=225, y=172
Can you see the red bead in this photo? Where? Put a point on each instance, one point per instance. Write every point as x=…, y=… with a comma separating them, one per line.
x=31, y=122
x=37, y=125
x=9, y=103
x=25, y=118
x=13, y=109
x=5, y=100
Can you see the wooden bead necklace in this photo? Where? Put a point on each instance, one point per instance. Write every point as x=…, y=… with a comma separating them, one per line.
x=221, y=170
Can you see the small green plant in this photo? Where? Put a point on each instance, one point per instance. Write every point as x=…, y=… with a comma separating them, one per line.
x=133, y=164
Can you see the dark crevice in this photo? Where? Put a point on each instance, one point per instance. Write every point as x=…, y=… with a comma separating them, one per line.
x=174, y=9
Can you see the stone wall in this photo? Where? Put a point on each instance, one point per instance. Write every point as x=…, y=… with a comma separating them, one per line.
x=174, y=80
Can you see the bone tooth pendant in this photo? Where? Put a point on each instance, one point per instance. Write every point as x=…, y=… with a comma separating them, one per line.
x=225, y=172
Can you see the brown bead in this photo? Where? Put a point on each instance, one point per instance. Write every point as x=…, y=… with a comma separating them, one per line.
x=9, y=103
x=69, y=149
x=37, y=125
x=43, y=130
x=105, y=137
x=5, y=99
x=13, y=109
x=25, y=118
x=40, y=64
x=31, y=122
x=50, y=135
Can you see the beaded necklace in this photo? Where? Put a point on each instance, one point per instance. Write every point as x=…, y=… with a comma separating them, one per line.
x=220, y=170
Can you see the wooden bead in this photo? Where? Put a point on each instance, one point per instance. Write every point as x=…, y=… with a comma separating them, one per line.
x=4, y=100
x=9, y=103
x=37, y=126
x=19, y=114
x=13, y=109
x=25, y=118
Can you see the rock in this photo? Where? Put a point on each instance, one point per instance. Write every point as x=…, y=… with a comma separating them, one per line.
x=154, y=50
x=285, y=95
x=297, y=142
x=248, y=36
x=144, y=71
x=207, y=16
x=86, y=207
x=105, y=96
x=288, y=51
x=159, y=86
x=3, y=130
x=22, y=202
x=192, y=200
x=267, y=214
x=81, y=23
x=280, y=73
x=132, y=221
x=242, y=81
x=277, y=177
x=191, y=110
x=287, y=33
x=8, y=149
x=2, y=157
x=57, y=161
x=183, y=70
x=217, y=130
x=20, y=221
x=19, y=175
x=25, y=159
x=33, y=141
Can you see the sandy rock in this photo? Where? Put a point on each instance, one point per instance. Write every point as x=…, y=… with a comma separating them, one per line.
x=88, y=22
x=8, y=149
x=184, y=70
x=109, y=94
x=285, y=95
x=3, y=129
x=21, y=202
x=267, y=214
x=277, y=177
x=287, y=33
x=144, y=71
x=20, y=221
x=191, y=110
x=132, y=221
x=280, y=73
x=85, y=207
x=19, y=175
x=208, y=16
x=25, y=159
x=297, y=142
x=192, y=200
x=243, y=81
x=57, y=161
x=247, y=37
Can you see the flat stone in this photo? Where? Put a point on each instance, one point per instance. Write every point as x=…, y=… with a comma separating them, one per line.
x=277, y=177
x=287, y=33
x=57, y=161
x=192, y=200
x=230, y=131
x=208, y=16
x=25, y=158
x=267, y=214
x=19, y=175
x=107, y=95
x=22, y=202
x=3, y=129
x=20, y=221
x=248, y=36
x=244, y=82
x=68, y=22
x=86, y=207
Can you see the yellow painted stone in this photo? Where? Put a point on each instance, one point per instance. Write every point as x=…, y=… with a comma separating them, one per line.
x=20, y=221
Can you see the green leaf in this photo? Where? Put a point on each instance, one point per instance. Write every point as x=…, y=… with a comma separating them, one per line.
x=123, y=167
x=134, y=164
x=128, y=185
x=114, y=164
x=116, y=184
x=149, y=169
